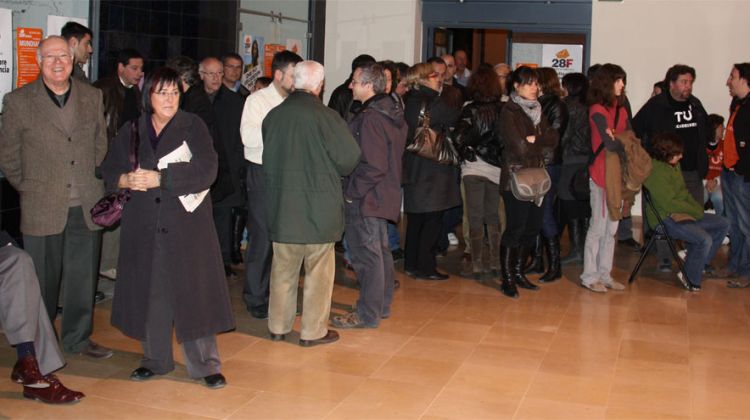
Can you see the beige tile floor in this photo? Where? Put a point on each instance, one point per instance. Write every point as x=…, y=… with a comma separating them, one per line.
x=454, y=349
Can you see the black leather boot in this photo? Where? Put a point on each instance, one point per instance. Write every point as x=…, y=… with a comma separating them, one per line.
x=554, y=271
x=537, y=258
x=577, y=238
x=516, y=270
x=239, y=220
x=508, y=287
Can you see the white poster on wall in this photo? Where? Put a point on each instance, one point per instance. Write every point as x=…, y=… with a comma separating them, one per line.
x=6, y=54
x=55, y=24
x=563, y=58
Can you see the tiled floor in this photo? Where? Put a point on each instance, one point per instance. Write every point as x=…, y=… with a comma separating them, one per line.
x=454, y=349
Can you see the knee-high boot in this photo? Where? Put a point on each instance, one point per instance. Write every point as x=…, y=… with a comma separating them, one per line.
x=239, y=220
x=519, y=278
x=575, y=256
x=554, y=270
x=507, y=257
x=537, y=258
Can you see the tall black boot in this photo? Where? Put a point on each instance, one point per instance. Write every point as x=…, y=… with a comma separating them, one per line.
x=577, y=238
x=507, y=256
x=537, y=258
x=554, y=271
x=516, y=270
x=239, y=220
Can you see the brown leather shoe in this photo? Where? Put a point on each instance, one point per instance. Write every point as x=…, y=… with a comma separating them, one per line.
x=26, y=372
x=330, y=337
x=55, y=393
x=95, y=351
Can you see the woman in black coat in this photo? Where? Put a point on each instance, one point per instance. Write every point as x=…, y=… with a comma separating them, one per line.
x=525, y=135
x=429, y=187
x=170, y=271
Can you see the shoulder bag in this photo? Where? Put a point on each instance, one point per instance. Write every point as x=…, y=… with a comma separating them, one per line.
x=108, y=210
x=430, y=144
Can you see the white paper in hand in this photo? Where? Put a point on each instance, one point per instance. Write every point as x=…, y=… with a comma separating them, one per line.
x=183, y=154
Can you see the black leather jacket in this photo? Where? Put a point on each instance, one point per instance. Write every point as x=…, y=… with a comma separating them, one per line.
x=576, y=141
x=113, y=94
x=556, y=113
x=478, y=131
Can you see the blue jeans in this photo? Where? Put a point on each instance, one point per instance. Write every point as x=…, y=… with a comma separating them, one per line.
x=736, y=197
x=716, y=198
x=372, y=261
x=394, y=238
x=549, y=221
x=703, y=238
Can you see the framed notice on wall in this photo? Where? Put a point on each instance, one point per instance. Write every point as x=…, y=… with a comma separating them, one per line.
x=6, y=54
x=563, y=58
x=27, y=40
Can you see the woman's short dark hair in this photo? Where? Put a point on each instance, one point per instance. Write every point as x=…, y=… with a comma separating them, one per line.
x=523, y=75
x=577, y=86
x=484, y=84
x=391, y=67
x=155, y=82
x=549, y=81
x=186, y=68
x=715, y=121
x=666, y=146
x=602, y=86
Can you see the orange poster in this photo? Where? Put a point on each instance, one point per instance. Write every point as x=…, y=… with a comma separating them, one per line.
x=269, y=51
x=27, y=40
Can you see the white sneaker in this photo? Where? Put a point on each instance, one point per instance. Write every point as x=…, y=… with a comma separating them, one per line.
x=614, y=285
x=110, y=274
x=452, y=239
x=682, y=254
x=597, y=287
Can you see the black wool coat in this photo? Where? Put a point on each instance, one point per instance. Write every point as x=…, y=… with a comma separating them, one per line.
x=159, y=238
x=227, y=107
x=428, y=185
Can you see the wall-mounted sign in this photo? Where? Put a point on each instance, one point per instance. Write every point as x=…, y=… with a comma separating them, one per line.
x=252, y=59
x=563, y=58
x=27, y=41
x=6, y=54
x=271, y=50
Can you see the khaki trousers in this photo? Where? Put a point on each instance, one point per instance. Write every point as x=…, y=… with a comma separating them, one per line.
x=465, y=220
x=320, y=269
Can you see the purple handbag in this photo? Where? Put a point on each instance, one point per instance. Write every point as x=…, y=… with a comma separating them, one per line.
x=108, y=210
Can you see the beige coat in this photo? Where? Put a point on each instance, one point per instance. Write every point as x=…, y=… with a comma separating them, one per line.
x=41, y=159
x=625, y=173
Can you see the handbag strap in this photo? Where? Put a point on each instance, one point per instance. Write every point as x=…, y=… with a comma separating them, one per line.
x=135, y=141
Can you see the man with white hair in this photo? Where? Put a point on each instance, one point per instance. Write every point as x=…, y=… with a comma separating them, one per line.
x=307, y=148
x=52, y=140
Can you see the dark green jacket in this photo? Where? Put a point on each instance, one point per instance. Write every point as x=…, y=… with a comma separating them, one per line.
x=669, y=193
x=307, y=148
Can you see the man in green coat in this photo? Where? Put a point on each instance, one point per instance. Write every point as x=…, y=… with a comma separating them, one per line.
x=307, y=149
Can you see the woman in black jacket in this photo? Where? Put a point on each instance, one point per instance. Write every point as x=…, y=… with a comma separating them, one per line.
x=478, y=143
x=576, y=149
x=556, y=113
x=525, y=134
x=429, y=187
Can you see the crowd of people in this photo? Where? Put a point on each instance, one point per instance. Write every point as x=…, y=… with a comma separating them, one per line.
x=524, y=155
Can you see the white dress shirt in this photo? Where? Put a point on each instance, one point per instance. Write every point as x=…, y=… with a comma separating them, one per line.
x=257, y=106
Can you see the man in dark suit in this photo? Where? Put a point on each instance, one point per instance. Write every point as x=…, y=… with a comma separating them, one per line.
x=50, y=153
x=230, y=214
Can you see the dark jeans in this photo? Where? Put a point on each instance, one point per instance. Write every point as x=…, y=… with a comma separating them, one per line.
x=372, y=261
x=394, y=238
x=482, y=201
x=524, y=221
x=703, y=238
x=736, y=198
x=451, y=218
x=223, y=223
x=422, y=232
x=694, y=185
x=70, y=258
x=259, y=248
x=550, y=228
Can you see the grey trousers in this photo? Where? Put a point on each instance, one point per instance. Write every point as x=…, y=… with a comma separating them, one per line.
x=110, y=248
x=320, y=268
x=22, y=313
x=599, y=250
x=70, y=258
x=201, y=355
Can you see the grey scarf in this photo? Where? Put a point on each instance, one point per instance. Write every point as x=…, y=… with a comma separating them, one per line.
x=532, y=108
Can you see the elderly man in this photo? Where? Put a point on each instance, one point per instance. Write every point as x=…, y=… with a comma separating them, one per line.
x=122, y=103
x=259, y=250
x=462, y=72
x=373, y=196
x=49, y=152
x=307, y=149
x=27, y=327
x=79, y=40
x=230, y=214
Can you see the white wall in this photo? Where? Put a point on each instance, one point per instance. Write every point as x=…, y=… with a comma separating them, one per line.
x=385, y=29
x=646, y=37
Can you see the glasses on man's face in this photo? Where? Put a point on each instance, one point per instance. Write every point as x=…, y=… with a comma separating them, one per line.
x=64, y=57
x=213, y=74
x=164, y=94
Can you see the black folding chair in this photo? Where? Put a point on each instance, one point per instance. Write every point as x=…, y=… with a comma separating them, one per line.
x=659, y=232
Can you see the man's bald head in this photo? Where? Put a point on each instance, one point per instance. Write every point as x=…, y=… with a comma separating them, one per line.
x=211, y=70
